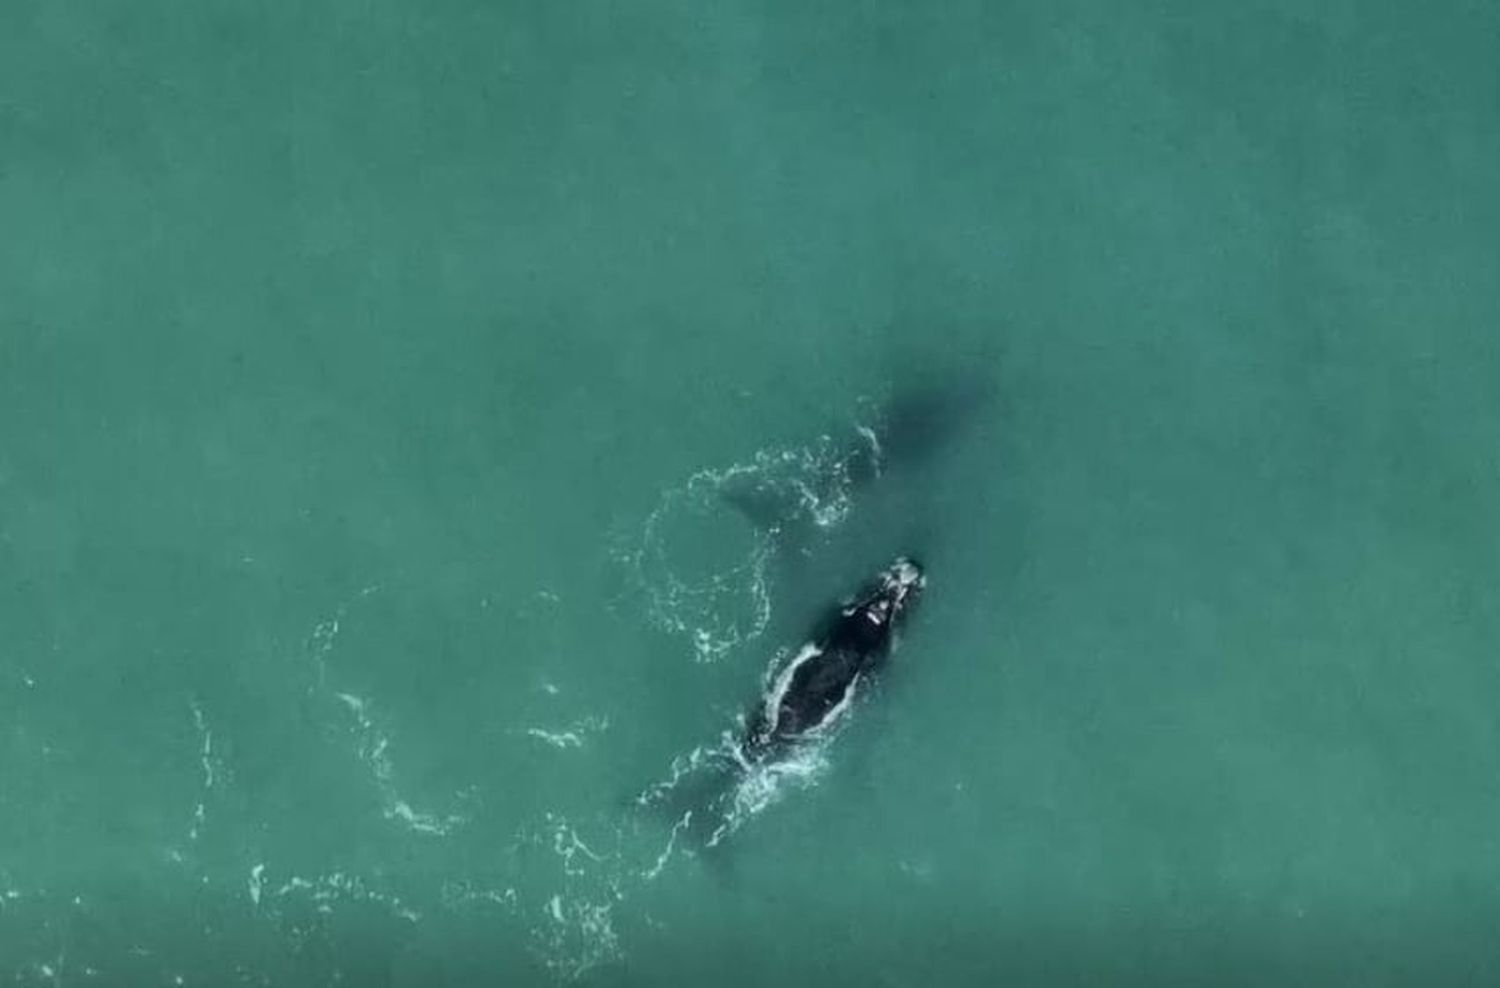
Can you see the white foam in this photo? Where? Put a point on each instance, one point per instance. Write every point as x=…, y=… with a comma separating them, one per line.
x=573, y=736
x=681, y=767
x=730, y=605
x=373, y=749
x=422, y=823
x=763, y=784
x=456, y=893
x=655, y=870
x=206, y=763
x=579, y=937
x=567, y=845
x=558, y=739
x=326, y=891
x=373, y=744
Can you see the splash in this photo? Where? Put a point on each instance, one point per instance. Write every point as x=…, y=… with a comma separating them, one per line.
x=763, y=784
x=723, y=790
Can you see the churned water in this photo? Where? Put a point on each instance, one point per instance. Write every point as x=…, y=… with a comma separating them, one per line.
x=423, y=425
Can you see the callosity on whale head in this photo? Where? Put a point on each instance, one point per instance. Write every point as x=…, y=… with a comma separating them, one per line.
x=894, y=590
x=905, y=577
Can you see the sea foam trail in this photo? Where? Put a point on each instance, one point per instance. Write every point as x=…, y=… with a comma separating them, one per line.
x=371, y=741
x=571, y=886
x=703, y=571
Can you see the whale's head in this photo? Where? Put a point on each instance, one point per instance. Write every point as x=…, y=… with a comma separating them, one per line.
x=905, y=576
x=894, y=590
x=905, y=580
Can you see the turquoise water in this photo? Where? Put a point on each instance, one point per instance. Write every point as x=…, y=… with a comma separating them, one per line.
x=369, y=374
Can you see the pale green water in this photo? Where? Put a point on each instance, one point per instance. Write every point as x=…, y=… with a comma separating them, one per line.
x=346, y=354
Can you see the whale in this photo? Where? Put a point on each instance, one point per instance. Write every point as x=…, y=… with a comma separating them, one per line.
x=813, y=690
x=878, y=481
x=711, y=792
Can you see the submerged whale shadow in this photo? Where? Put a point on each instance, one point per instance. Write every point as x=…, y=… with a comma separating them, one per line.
x=890, y=439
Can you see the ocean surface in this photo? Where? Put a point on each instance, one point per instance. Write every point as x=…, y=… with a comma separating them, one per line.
x=376, y=380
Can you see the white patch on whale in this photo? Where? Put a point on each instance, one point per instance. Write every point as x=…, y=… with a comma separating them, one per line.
x=809, y=651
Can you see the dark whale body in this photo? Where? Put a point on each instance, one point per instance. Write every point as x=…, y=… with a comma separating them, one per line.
x=713, y=791
x=813, y=690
